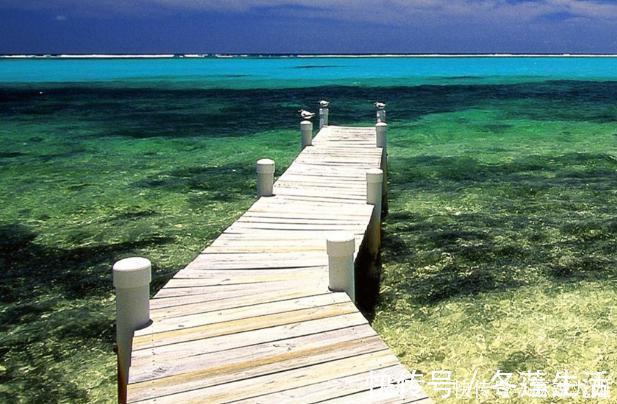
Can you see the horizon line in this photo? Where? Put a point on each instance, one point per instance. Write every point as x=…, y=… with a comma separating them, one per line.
x=282, y=55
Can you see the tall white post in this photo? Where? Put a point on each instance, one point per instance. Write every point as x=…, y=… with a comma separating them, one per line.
x=323, y=116
x=381, y=130
x=381, y=111
x=131, y=278
x=265, y=177
x=341, y=247
x=306, y=129
x=374, y=179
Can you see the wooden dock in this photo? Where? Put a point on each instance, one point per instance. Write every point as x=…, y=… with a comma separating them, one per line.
x=251, y=319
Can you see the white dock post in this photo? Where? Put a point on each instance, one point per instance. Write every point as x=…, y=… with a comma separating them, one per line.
x=324, y=112
x=341, y=247
x=306, y=129
x=381, y=111
x=131, y=278
x=381, y=130
x=265, y=177
x=374, y=179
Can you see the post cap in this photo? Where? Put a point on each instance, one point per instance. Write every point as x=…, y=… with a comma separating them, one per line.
x=132, y=273
x=380, y=123
x=374, y=175
x=265, y=166
x=306, y=123
x=341, y=244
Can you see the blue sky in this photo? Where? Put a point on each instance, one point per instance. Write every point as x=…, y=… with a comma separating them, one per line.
x=303, y=26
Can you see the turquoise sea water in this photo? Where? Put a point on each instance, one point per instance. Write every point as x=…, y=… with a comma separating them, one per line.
x=301, y=72
x=503, y=189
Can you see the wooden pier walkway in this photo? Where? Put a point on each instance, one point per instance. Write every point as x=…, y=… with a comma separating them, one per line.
x=251, y=319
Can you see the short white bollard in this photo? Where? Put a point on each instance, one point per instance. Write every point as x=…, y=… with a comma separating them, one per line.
x=306, y=130
x=381, y=130
x=374, y=179
x=131, y=277
x=265, y=177
x=341, y=247
x=323, y=117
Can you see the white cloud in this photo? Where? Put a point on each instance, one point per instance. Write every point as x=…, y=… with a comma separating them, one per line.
x=386, y=11
x=402, y=9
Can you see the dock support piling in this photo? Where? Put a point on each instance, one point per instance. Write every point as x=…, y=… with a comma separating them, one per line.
x=265, y=177
x=131, y=278
x=381, y=130
x=341, y=247
x=374, y=180
x=324, y=112
x=306, y=130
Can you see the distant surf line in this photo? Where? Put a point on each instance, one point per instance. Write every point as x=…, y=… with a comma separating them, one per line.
x=309, y=55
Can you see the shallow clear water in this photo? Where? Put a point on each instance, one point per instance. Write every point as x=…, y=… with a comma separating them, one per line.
x=502, y=178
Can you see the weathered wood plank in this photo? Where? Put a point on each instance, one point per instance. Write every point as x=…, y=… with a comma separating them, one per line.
x=233, y=274
x=271, y=295
x=249, y=338
x=187, y=278
x=357, y=388
x=255, y=386
x=185, y=318
x=145, y=339
x=248, y=358
x=227, y=291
